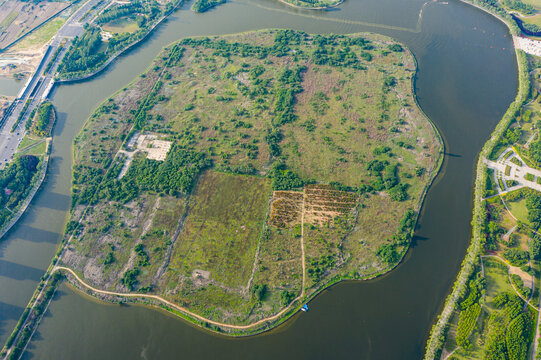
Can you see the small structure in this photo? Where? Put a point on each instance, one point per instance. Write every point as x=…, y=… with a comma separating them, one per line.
x=156, y=149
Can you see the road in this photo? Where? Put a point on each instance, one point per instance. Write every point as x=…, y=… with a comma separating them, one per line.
x=41, y=82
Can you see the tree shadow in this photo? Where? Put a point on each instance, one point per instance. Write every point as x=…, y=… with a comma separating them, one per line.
x=8, y=314
x=16, y=271
x=33, y=234
x=54, y=201
x=417, y=238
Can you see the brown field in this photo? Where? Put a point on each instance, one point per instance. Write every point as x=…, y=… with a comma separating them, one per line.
x=18, y=18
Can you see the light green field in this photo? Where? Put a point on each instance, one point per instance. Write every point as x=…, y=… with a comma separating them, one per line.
x=535, y=3
x=35, y=150
x=27, y=141
x=519, y=210
x=122, y=25
x=221, y=235
x=41, y=36
x=533, y=20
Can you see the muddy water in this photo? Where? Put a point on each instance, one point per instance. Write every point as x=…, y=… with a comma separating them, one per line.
x=10, y=86
x=467, y=78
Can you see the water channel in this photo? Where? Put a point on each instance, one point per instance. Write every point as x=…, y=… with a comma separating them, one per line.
x=467, y=77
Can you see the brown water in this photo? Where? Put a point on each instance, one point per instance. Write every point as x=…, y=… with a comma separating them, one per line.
x=10, y=86
x=466, y=80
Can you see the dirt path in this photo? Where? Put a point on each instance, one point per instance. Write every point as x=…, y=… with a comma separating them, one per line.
x=302, y=243
x=192, y=314
x=526, y=301
x=168, y=303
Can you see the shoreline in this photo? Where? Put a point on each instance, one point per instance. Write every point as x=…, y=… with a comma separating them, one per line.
x=340, y=2
x=436, y=337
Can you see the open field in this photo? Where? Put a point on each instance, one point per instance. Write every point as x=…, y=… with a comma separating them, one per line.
x=213, y=259
x=38, y=38
x=519, y=210
x=17, y=18
x=119, y=26
x=290, y=168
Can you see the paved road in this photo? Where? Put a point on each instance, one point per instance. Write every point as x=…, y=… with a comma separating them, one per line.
x=40, y=84
x=516, y=173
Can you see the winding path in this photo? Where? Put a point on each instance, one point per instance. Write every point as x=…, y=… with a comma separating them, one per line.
x=192, y=314
x=170, y=304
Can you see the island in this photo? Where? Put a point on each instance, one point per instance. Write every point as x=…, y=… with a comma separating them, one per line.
x=313, y=4
x=241, y=175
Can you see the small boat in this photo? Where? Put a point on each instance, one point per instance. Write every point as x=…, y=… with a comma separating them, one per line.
x=304, y=308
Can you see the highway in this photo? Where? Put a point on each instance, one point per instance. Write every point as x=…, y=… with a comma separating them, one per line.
x=40, y=84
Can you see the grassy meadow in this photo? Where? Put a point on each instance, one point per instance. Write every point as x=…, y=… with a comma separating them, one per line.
x=285, y=144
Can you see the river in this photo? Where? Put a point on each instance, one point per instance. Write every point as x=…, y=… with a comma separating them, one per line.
x=467, y=77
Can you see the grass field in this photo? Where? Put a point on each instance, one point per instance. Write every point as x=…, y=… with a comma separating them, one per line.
x=28, y=140
x=217, y=246
x=35, y=150
x=41, y=36
x=337, y=142
x=519, y=210
x=122, y=25
x=535, y=3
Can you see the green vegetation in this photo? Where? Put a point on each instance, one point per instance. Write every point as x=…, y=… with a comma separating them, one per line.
x=44, y=116
x=204, y=5
x=493, y=322
x=21, y=114
x=41, y=36
x=519, y=6
x=516, y=161
x=264, y=156
x=516, y=257
x=533, y=204
x=133, y=21
x=15, y=184
x=314, y=4
x=470, y=310
x=53, y=59
x=84, y=52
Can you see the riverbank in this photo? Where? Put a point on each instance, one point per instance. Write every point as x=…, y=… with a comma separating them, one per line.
x=437, y=335
x=307, y=7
